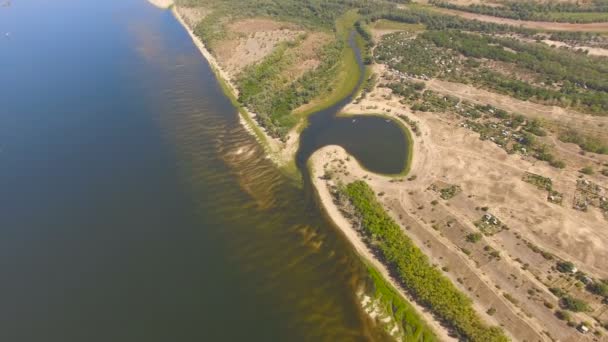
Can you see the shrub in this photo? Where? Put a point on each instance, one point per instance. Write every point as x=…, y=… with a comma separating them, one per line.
x=413, y=269
x=562, y=315
x=573, y=304
x=598, y=288
x=565, y=266
x=557, y=292
x=588, y=170
x=474, y=237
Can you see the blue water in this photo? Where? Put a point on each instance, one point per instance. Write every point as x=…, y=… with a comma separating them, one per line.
x=134, y=207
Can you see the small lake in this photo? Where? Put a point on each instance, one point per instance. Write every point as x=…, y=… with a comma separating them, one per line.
x=379, y=144
x=134, y=205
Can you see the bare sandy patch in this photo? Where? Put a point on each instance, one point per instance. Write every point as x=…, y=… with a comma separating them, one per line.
x=593, y=51
x=193, y=15
x=447, y=154
x=161, y=3
x=252, y=40
x=307, y=54
x=589, y=124
x=318, y=161
x=538, y=25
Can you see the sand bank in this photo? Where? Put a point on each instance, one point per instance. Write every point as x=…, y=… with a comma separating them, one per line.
x=161, y=3
x=316, y=163
x=281, y=153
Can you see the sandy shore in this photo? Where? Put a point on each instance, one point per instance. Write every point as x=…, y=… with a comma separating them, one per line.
x=445, y=153
x=316, y=163
x=281, y=153
x=161, y=3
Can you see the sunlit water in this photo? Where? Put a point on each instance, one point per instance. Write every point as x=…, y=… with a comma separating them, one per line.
x=134, y=206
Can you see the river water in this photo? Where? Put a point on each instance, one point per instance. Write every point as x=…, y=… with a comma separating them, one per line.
x=135, y=207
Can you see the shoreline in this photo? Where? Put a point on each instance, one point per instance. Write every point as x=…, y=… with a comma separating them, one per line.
x=280, y=153
x=163, y=4
x=322, y=194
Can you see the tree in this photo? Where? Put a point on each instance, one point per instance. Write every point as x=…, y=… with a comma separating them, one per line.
x=565, y=266
x=573, y=304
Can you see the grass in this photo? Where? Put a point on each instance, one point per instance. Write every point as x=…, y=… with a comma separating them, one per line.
x=415, y=271
x=385, y=24
x=413, y=327
x=289, y=169
x=348, y=69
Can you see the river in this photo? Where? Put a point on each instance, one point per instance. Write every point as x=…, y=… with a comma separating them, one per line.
x=134, y=205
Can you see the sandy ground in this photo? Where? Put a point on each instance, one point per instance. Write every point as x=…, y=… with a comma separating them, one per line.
x=446, y=153
x=253, y=40
x=279, y=152
x=593, y=51
x=539, y=25
x=161, y=3
x=595, y=125
x=317, y=161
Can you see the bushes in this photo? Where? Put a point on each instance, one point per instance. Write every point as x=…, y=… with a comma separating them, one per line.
x=473, y=237
x=414, y=270
x=565, y=266
x=530, y=10
x=599, y=288
x=562, y=315
x=573, y=304
x=265, y=91
x=588, y=144
x=557, y=292
x=563, y=78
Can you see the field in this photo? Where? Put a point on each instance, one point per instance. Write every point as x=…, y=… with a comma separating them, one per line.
x=506, y=184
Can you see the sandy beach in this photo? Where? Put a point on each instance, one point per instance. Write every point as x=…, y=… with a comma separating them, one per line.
x=316, y=163
x=281, y=153
x=161, y=3
x=444, y=154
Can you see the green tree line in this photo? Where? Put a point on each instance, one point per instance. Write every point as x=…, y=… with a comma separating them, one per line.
x=425, y=282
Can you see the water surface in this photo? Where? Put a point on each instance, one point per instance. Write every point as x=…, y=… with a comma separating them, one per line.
x=135, y=207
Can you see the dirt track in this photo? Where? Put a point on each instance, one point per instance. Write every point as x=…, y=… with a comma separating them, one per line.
x=538, y=25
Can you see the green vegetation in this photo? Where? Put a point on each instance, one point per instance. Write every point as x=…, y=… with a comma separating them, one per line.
x=264, y=87
x=474, y=237
x=587, y=170
x=426, y=283
x=562, y=315
x=586, y=143
x=343, y=78
x=573, y=304
x=596, y=11
x=565, y=267
x=543, y=183
x=490, y=225
x=450, y=191
x=557, y=292
x=562, y=78
x=383, y=24
x=413, y=124
x=411, y=324
x=599, y=288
